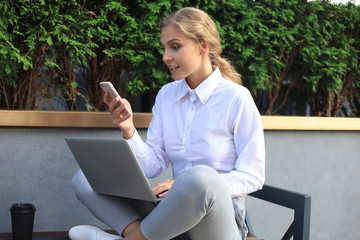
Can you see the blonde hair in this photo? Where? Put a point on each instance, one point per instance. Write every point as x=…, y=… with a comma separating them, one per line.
x=197, y=25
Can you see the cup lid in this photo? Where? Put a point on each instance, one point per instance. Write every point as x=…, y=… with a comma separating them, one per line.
x=23, y=207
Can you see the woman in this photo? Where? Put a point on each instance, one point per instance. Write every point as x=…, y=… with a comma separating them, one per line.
x=207, y=126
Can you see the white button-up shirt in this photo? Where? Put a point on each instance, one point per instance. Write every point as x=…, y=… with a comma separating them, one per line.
x=217, y=124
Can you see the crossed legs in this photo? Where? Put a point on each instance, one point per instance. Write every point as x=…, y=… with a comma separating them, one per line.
x=199, y=203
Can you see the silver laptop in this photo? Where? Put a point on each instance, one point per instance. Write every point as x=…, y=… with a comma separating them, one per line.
x=111, y=167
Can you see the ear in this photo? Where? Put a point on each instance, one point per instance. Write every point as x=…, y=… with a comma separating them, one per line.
x=204, y=47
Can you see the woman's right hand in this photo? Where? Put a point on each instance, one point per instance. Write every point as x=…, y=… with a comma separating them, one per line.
x=122, y=115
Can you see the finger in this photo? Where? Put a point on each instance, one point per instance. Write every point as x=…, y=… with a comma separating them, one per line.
x=126, y=102
x=120, y=118
x=127, y=106
x=120, y=109
x=114, y=104
x=157, y=189
x=107, y=100
x=162, y=195
x=162, y=187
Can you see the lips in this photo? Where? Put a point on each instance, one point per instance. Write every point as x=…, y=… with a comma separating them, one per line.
x=172, y=68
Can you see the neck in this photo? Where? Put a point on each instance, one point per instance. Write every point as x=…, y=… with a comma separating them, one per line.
x=196, y=78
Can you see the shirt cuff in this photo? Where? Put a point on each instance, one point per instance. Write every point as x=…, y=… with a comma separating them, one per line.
x=137, y=144
x=228, y=184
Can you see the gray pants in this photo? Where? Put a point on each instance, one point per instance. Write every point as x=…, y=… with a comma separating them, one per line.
x=198, y=204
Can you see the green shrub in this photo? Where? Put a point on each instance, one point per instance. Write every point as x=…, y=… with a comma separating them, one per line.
x=41, y=44
x=330, y=56
x=287, y=51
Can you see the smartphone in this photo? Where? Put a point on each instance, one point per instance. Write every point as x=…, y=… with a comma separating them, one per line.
x=108, y=87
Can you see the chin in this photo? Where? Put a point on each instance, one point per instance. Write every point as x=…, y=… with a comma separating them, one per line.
x=177, y=78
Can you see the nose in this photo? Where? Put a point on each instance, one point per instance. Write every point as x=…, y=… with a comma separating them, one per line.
x=166, y=56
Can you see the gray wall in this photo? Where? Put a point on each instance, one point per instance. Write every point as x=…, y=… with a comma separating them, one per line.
x=323, y=164
x=36, y=166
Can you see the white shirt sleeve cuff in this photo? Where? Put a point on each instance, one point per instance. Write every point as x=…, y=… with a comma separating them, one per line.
x=137, y=144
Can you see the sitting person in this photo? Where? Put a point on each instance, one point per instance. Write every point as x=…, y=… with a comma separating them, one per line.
x=207, y=126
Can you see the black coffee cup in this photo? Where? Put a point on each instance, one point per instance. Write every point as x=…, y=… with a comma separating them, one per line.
x=22, y=220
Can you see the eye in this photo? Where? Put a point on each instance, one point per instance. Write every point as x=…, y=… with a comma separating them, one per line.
x=175, y=47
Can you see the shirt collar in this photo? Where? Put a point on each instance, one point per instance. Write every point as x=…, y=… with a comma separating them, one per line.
x=204, y=90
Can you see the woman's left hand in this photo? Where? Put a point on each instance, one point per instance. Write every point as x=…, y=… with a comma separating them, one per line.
x=161, y=189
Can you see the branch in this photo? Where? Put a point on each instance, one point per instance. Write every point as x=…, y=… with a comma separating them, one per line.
x=292, y=84
x=5, y=95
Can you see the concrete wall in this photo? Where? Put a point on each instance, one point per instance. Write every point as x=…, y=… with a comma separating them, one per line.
x=323, y=164
x=36, y=166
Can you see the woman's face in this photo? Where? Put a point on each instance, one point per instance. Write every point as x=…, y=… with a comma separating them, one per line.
x=182, y=55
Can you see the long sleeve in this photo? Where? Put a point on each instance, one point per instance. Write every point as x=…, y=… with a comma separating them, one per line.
x=151, y=154
x=249, y=173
